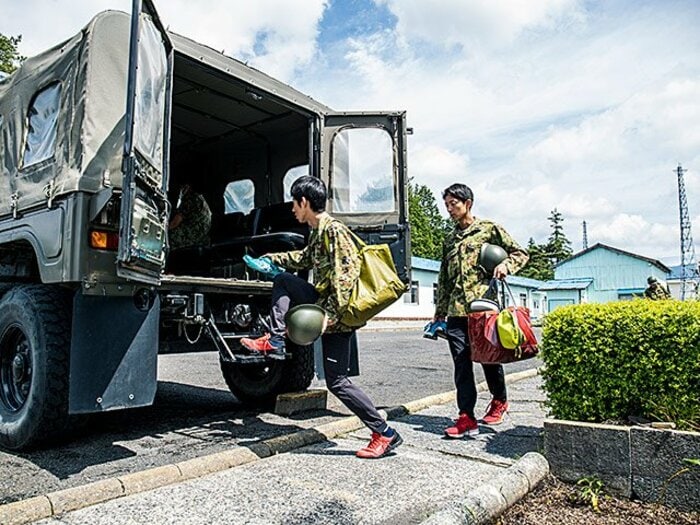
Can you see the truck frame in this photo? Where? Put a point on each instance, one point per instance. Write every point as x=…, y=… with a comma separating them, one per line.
x=97, y=134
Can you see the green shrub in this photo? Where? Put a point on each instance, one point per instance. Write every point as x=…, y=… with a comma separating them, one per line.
x=609, y=361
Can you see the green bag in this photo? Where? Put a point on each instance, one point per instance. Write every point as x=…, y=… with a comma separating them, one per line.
x=378, y=286
x=509, y=333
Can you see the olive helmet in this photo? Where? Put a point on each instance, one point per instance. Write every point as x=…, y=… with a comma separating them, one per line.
x=490, y=256
x=651, y=279
x=305, y=323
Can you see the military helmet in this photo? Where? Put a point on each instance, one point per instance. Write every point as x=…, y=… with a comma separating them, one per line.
x=305, y=323
x=491, y=255
x=651, y=279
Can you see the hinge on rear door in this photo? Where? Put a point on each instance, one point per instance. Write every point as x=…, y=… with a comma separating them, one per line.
x=14, y=201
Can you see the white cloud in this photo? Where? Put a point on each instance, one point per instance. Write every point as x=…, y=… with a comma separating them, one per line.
x=284, y=30
x=476, y=23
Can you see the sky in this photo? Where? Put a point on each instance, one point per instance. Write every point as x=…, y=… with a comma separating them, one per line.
x=583, y=106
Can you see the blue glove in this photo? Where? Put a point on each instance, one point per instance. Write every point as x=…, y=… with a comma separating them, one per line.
x=435, y=329
x=263, y=265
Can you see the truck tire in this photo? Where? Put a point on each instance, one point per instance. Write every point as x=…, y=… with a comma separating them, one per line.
x=35, y=329
x=259, y=384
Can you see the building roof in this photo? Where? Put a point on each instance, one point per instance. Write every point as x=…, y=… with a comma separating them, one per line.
x=676, y=271
x=425, y=264
x=526, y=282
x=578, y=283
x=598, y=245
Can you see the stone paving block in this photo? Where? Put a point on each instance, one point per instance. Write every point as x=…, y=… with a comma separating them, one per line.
x=657, y=455
x=295, y=402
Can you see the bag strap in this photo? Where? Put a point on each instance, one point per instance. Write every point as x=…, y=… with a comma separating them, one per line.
x=498, y=289
x=358, y=242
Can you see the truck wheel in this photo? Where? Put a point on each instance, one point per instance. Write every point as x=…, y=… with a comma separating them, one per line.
x=35, y=326
x=259, y=384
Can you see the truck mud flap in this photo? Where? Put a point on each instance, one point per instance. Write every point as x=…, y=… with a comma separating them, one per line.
x=114, y=353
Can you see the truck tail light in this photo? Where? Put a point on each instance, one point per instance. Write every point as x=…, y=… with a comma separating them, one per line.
x=104, y=240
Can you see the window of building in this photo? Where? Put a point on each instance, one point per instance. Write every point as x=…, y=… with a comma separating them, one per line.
x=42, y=123
x=435, y=293
x=523, y=299
x=411, y=297
x=289, y=178
x=239, y=196
x=362, y=171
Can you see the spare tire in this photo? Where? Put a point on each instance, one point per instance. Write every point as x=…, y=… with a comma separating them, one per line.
x=259, y=384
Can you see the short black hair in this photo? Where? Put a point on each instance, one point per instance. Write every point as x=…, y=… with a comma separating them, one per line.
x=313, y=189
x=459, y=191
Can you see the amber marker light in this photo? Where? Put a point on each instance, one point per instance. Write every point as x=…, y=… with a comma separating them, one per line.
x=102, y=240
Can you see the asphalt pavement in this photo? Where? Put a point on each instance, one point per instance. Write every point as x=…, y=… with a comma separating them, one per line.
x=313, y=476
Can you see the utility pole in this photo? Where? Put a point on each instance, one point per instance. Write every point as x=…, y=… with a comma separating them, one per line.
x=689, y=268
x=585, y=236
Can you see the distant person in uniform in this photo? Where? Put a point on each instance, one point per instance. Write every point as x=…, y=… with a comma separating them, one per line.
x=656, y=290
x=190, y=221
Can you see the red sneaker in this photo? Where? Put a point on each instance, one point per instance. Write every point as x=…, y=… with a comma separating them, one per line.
x=463, y=425
x=495, y=412
x=379, y=446
x=261, y=344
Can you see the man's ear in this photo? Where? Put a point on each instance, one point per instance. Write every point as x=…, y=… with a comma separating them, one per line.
x=304, y=202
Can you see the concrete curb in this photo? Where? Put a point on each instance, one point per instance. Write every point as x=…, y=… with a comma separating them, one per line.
x=486, y=502
x=75, y=498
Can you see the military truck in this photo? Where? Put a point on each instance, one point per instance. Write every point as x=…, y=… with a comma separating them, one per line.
x=98, y=133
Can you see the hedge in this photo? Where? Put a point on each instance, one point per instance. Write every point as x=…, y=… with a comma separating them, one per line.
x=606, y=362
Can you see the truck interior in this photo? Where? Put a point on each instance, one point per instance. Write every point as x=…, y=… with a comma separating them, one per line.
x=241, y=149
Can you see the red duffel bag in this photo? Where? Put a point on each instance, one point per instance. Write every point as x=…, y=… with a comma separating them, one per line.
x=483, y=337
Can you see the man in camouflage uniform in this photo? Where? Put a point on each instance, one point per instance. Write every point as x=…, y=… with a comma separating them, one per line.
x=656, y=290
x=334, y=258
x=191, y=220
x=462, y=280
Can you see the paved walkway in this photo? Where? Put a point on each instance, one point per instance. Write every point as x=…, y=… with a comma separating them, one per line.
x=326, y=483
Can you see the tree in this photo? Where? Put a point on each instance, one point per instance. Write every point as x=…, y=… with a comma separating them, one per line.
x=428, y=228
x=558, y=246
x=539, y=266
x=10, y=58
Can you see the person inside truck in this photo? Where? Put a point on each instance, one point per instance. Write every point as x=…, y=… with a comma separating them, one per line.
x=190, y=221
x=332, y=254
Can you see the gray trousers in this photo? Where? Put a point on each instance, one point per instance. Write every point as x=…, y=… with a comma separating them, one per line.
x=288, y=290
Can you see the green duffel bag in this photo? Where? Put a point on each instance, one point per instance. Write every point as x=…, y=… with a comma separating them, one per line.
x=378, y=286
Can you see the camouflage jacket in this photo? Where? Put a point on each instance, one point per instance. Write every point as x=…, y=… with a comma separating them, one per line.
x=334, y=258
x=461, y=280
x=196, y=222
x=657, y=292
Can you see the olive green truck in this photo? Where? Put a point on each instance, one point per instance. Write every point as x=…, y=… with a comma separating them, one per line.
x=96, y=135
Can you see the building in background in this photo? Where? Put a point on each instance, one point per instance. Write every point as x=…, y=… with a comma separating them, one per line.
x=419, y=302
x=674, y=281
x=601, y=274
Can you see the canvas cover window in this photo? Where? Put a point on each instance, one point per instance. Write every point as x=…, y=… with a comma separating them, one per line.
x=239, y=196
x=42, y=122
x=289, y=178
x=362, y=176
x=151, y=80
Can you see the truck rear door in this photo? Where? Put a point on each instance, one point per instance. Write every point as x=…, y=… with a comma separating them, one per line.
x=144, y=205
x=363, y=162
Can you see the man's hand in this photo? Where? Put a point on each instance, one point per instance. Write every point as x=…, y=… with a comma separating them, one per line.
x=327, y=323
x=500, y=271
